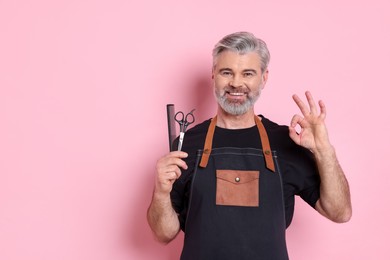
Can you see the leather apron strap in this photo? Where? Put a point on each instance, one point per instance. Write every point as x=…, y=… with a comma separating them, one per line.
x=208, y=143
x=269, y=161
x=264, y=143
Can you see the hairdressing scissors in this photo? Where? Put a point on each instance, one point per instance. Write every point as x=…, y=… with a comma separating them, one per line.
x=184, y=122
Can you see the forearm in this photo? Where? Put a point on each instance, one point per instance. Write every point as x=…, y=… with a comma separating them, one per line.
x=162, y=218
x=335, y=201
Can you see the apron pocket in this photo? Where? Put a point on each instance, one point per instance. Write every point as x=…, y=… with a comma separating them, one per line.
x=237, y=188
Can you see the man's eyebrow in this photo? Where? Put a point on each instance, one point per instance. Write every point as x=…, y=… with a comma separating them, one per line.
x=245, y=70
x=251, y=70
x=221, y=69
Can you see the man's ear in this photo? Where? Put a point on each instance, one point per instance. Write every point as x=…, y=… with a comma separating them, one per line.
x=264, y=78
x=212, y=72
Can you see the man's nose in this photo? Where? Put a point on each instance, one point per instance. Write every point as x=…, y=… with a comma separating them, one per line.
x=236, y=81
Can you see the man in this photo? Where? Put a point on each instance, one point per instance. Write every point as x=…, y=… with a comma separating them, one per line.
x=231, y=189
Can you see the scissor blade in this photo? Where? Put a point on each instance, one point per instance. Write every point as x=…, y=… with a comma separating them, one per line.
x=181, y=138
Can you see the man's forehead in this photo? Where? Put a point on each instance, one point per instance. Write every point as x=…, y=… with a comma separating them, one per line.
x=231, y=59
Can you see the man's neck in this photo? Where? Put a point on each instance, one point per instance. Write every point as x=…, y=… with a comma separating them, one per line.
x=225, y=120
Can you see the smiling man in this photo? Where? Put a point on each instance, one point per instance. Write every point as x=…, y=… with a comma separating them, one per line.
x=238, y=81
x=232, y=187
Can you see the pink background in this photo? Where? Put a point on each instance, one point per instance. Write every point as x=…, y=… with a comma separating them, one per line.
x=83, y=89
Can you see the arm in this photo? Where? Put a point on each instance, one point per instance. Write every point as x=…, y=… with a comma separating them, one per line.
x=334, y=202
x=161, y=216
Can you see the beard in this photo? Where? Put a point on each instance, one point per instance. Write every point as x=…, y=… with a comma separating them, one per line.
x=236, y=107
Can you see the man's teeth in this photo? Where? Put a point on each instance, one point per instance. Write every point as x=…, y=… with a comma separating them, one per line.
x=236, y=94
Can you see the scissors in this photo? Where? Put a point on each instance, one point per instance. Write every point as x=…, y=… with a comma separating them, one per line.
x=184, y=122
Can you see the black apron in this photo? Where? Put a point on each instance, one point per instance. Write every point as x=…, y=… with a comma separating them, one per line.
x=236, y=208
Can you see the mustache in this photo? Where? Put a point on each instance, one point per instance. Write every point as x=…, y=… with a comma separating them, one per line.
x=236, y=90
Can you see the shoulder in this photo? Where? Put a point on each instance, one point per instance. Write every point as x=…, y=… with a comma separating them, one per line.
x=195, y=136
x=197, y=132
x=280, y=141
x=200, y=128
x=277, y=134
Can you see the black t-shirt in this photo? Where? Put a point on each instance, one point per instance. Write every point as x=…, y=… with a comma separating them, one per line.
x=297, y=165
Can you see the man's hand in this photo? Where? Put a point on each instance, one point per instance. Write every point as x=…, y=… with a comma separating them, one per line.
x=313, y=134
x=335, y=199
x=162, y=218
x=168, y=171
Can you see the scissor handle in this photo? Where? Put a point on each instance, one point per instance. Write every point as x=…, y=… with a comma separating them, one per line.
x=190, y=118
x=184, y=121
x=179, y=117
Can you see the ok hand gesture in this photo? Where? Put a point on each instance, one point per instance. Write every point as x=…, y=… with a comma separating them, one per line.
x=313, y=134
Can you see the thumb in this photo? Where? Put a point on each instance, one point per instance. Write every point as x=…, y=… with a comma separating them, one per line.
x=294, y=135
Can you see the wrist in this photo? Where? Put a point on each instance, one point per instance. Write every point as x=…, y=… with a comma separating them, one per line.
x=162, y=195
x=324, y=151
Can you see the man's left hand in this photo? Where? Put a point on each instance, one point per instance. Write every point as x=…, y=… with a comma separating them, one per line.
x=313, y=134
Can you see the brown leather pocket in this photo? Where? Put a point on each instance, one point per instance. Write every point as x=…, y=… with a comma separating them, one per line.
x=237, y=188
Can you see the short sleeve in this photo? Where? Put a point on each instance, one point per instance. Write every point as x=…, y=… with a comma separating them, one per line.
x=180, y=196
x=302, y=175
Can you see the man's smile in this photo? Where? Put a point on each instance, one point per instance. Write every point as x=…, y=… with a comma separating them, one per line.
x=236, y=93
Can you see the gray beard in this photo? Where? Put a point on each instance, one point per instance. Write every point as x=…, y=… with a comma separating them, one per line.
x=236, y=108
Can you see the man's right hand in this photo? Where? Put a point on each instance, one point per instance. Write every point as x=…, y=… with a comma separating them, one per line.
x=162, y=218
x=168, y=171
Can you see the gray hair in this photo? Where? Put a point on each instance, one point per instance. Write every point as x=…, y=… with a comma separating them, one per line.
x=243, y=42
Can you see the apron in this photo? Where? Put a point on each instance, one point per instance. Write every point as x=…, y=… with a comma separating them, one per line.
x=236, y=207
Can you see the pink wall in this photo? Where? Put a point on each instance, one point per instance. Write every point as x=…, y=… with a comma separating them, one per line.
x=83, y=89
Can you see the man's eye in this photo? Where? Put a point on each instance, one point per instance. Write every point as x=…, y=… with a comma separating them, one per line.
x=226, y=73
x=248, y=74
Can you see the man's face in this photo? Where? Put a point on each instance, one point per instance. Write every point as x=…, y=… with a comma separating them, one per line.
x=238, y=81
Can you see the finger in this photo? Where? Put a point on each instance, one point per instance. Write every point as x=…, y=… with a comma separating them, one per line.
x=178, y=154
x=169, y=162
x=294, y=135
x=171, y=168
x=322, y=109
x=312, y=103
x=305, y=111
x=294, y=120
x=169, y=174
x=298, y=120
x=174, y=158
x=178, y=162
x=173, y=175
